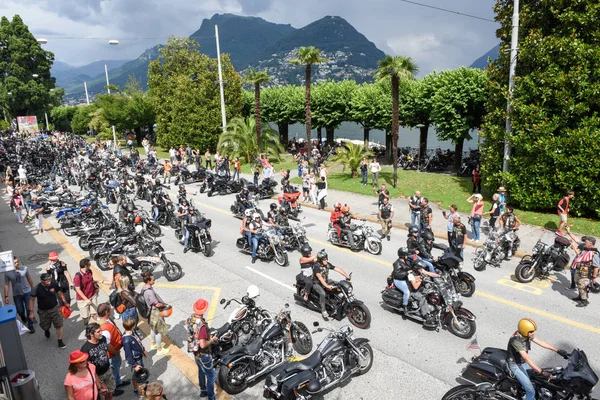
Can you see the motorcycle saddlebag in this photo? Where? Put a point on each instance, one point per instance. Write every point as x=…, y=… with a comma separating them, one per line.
x=490, y=366
x=392, y=297
x=67, y=223
x=301, y=377
x=241, y=242
x=562, y=241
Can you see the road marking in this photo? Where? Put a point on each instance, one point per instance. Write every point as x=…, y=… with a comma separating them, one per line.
x=213, y=303
x=539, y=312
x=289, y=287
x=355, y=254
x=534, y=287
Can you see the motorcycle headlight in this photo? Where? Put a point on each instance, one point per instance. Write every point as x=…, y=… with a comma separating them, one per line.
x=350, y=290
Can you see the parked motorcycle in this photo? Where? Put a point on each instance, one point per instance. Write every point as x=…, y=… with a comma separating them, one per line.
x=264, y=190
x=244, y=364
x=270, y=247
x=339, y=302
x=214, y=184
x=248, y=320
x=496, y=248
x=489, y=377
x=338, y=357
x=544, y=259
x=446, y=309
x=364, y=238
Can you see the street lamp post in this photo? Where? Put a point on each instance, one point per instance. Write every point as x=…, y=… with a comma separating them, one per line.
x=112, y=42
x=514, y=43
x=223, y=116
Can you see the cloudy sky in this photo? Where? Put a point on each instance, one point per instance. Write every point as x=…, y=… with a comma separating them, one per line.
x=435, y=39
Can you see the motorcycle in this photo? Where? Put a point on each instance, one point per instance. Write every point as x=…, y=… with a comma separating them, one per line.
x=544, y=259
x=294, y=236
x=292, y=205
x=489, y=377
x=445, y=307
x=146, y=222
x=215, y=184
x=238, y=210
x=338, y=357
x=339, y=302
x=264, y=190
x=364, y=238
x=200, y=238
x=156, y=258
x=496, y=248
x=248, y=320
x=167, y=216
x=449, y=264
x=243, y=364
x=270, y=247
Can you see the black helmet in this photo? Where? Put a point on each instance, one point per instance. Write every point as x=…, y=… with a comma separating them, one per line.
x=305, y=250
x=141, y=375
x=181, y=186
x=273, y=206
x=245, y=190
x=420, y=265
x=157, y=181
x=427, y=235
x=413, y=229
x=402, y=252
x=594, y=287
x=322, y=255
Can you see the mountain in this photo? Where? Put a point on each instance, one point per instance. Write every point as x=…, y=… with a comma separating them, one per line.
x=254, y=42
x=482, y=61
x=67, y=75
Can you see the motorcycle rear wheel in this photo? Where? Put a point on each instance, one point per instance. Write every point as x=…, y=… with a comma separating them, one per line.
x=367, y=352
x=172, y=271
x=103, y=261
x=302, y=339
x=225, y=377
x=462, y=392
x=525, y=272
x=173, y=223
x=359, y=316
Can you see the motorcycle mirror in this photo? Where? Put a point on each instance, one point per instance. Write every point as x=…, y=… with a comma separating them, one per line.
x=222, y=301
x=316, y=323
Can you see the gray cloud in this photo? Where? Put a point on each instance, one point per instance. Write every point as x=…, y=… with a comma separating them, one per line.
x=435, y=39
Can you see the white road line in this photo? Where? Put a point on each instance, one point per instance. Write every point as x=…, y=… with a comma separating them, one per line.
x=287, y=286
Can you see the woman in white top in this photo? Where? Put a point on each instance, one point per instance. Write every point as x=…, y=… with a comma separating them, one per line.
x=313, y=188
x=323, y=171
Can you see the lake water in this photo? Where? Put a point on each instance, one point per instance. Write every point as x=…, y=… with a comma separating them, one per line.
x=406, y=138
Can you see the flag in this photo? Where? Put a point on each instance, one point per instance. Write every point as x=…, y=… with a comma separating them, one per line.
x=473, y=345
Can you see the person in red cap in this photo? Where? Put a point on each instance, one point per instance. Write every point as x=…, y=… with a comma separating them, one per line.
x=82, y=381
x=60, y=275
x=199, y=343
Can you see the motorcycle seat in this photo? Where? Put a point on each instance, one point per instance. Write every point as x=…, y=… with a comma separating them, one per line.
x=220, y=331
x=253, y=348
x=306, y=364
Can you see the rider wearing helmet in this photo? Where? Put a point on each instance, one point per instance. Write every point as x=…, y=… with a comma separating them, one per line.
x=282, y=219
x=400, y=273
x=181, y=193
x=272, y=214
x=426, y=245
x=414, y=279
x=321, y=274
x=306, y=265
x=412, y=243
x=345, y=221
x=335, y=217
x=255, y=228
x=183, y=214
x=243, y=199
x=159, y=200
x=518, y=358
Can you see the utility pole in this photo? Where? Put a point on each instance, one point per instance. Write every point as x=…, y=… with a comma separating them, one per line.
x=113, y=127
x=223, y=116
x=514, y=43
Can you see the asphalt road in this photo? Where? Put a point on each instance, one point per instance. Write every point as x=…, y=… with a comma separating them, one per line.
x=410, y=361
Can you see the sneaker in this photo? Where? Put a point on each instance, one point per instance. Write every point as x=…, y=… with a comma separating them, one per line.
x=163, y=352
x=124, y=382
x=61, y=344
x=325, y=315
x=153, y=346
x=47, y=334
x=118, y=392
x=388, y=238
x=583, y=303
x=185, y=250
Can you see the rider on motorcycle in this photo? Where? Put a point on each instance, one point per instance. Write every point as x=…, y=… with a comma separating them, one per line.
x=334, y=218
x=306, y=269
x=345, y=221
x=510, y=221
x=244, y=229
x=272, y=214
x=183, y=215
x=282, y=219
x=400, y=273
x=158, y=201
x=181, y=193
x=243, y=200
x=518, y=358
x=414, y=279
x=321, y=274
x=412, y=243
x=255, y=228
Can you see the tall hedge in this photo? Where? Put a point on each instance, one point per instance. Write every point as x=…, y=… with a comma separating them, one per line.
x=556, y=105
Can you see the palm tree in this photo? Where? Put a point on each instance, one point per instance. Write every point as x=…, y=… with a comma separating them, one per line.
x=396, y=68
x=307, y=56
x=240, y=140
x=256, y=78
x=350, y=155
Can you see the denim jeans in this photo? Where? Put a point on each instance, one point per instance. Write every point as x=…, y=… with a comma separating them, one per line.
x=115, y=362
x=427, y=263
x=299, y=171
x=365, y=177
x=476, y=235
x=375, y=179
x=130, y=313
x=206, y=375
x=22, y=306
x=236, y=175
x=155, y=211
x=254, y=240
x=415, y=218
x=520, y=372
x=403, y=287
x=186, y=237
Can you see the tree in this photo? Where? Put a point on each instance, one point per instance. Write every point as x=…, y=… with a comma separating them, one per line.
x=185, y=91
x=140, y=110
x=418, y=107
x=350, y=155
x=283, y=105
x=247, y=103
x=80, y=123
x=308, y=56
x=241, y=140
x=330, y=104
x=257, y=78
x=368, y=108
x=24, y=72
x=555, y=109
x=396, y=69
x=458, y=106
x=61, y=118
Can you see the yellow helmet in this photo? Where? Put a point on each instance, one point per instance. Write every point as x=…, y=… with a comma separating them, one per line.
x=526, y=326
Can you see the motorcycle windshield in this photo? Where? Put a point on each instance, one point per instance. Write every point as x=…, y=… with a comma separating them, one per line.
x=578, y=375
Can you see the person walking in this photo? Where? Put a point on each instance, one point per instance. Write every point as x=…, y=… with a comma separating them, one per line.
x=563, y=211
x=96, y=347
x=22, y=175
x=47, y=293
x=86, y=291
x=199, y=342
x=115, y=342
x=476, y=178
x=305, y=186
x=585, y=266
x=426, y=216
x=135, y=352
x=476, y=216
x=494, y=211
x=385, y=214
x=37, y=211
x=459, y=235
x=82, y=382
x=375, y=168
x=167, y=174
x=60, y=275
x=156, y=321
x=364, y=171
x=312, y=181
x=322, y=192
x=414, y=203
x=502, y=199
x=17, y=203
x=237, y=168
x=21, y=283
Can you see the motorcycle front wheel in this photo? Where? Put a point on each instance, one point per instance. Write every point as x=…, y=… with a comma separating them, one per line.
x=173, y=223
x=462, y=327
x=207, y=249
x=103, y=262
x=374, y=247
x=153, y=229
x=525, y=272
x=366, y=361
x=479, y=262
x=359, y=316
x=233, y=380
x=281, y=259
x=462, y=392
x=465, y=287
x=302, y=339
x=84, y=243
x=172, y=271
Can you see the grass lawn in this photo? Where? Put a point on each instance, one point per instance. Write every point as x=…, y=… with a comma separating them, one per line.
x=445, y=190
x=286, y=162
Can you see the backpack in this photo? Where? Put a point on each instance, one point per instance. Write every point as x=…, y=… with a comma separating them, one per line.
x=140, y=303
x=115, y=300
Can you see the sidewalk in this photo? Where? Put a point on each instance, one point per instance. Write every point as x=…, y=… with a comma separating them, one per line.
x=49, y=362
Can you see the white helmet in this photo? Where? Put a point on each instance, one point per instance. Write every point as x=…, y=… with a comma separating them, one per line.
x=252, y=291
x=248, y=213
x=138, y=228
x=256, y=215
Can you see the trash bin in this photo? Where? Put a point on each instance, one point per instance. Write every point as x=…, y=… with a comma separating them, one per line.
x=24, y=385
